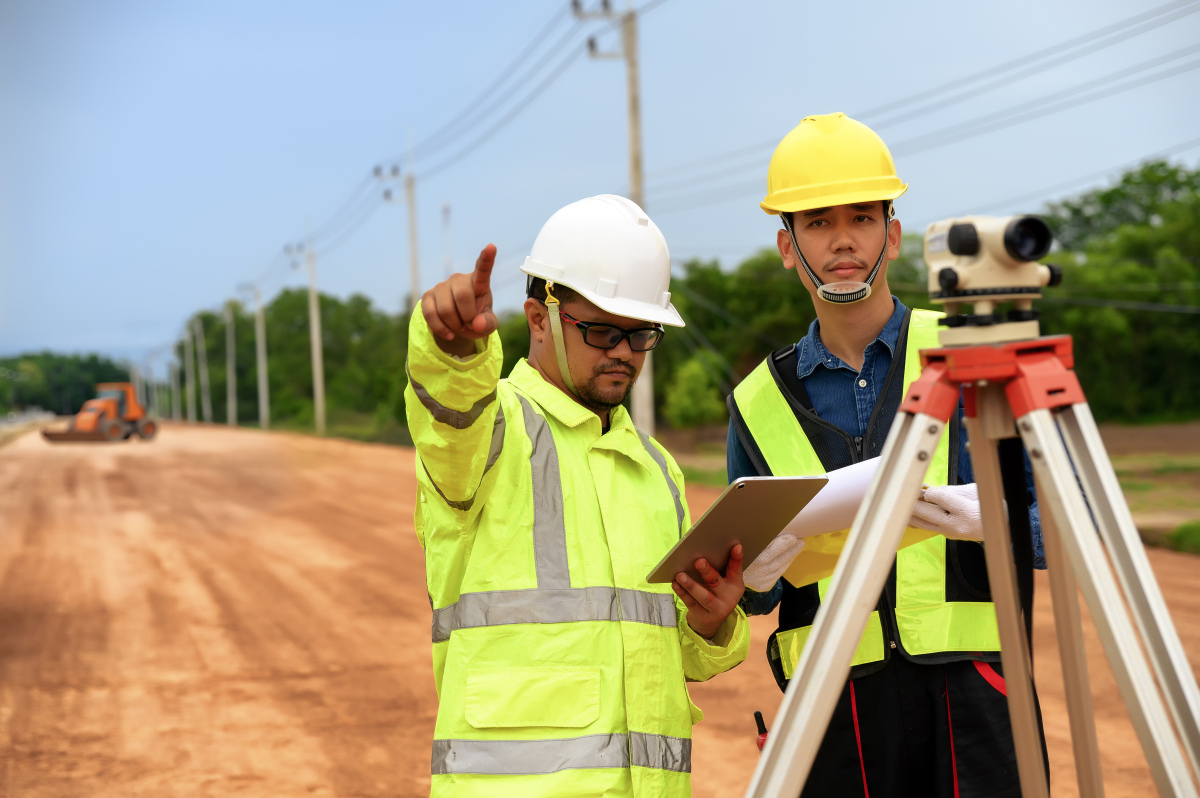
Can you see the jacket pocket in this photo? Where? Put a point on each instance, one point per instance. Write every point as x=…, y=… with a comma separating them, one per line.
x=566, y=697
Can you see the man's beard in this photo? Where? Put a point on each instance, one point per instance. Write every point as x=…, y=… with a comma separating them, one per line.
x=606, y=399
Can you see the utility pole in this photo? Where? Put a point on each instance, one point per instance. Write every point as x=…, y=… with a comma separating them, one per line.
x=189, y=374
x=176, y=409
x=642, y=399
x=230, y=368
x=202, y=356
x=314, y=335
x=410, y=194
x=260, y=355
x=447, y=240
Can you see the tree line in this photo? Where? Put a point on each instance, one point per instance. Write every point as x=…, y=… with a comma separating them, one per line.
x=1123, y=247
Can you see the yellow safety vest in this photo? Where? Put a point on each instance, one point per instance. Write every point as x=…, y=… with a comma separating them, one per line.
x=921, y=622
x=560, y=671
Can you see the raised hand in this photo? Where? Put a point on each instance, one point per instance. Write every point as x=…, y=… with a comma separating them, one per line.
x=459, y=309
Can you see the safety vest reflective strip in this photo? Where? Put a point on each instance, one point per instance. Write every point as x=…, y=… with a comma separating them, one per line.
x=538, y=757
x=555, y=601
x=926, y=622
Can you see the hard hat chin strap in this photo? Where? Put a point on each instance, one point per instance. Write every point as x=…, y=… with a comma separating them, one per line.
x=558, y=343
x=822, y=290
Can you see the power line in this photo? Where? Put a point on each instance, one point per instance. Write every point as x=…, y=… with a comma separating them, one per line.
x=1057, y=101
x=976, y=127
x=434, y=141
x=1124, y=29
x=460, y=127
x=1025, y=59
x=355, y=197
x=1120, y=36
x=1057, y=187
x=1123, y=304
x=558, y=71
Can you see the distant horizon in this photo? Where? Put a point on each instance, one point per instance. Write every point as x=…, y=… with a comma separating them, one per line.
x=155, y=158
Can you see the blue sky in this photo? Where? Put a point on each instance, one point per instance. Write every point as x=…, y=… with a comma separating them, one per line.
x=154, y=156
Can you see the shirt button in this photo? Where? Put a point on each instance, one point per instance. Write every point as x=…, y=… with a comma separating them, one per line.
x=862, y=383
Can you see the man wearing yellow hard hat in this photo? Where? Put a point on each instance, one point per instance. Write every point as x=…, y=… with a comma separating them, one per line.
x=924, y=712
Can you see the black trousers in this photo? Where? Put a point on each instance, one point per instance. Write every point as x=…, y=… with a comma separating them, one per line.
x=920, y=731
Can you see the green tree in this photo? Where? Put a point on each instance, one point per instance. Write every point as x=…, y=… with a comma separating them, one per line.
x=693, y=397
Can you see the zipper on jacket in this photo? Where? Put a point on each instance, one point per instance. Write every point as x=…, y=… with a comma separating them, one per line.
x=858, y=443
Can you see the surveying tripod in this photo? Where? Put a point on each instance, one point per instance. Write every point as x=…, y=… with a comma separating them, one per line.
x=1019, y=388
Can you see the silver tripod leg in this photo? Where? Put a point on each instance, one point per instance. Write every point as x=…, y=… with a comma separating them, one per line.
x=993, y=422
x=853, y=592
x=1128, y=556
x=1063, y=499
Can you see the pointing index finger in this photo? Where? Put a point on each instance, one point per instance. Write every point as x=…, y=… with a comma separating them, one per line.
x=482, y=278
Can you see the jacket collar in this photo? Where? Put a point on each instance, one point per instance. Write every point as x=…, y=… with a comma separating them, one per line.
x=811, y=351
x=552, y=400
x=570, y=413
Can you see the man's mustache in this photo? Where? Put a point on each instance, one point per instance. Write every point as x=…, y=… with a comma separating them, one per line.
x=838, y=262
x=614, y=367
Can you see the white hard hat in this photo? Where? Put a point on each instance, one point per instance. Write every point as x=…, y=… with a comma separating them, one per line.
x=606, y=249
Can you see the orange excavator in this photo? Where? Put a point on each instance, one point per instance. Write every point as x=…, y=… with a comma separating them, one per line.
x=114, y=415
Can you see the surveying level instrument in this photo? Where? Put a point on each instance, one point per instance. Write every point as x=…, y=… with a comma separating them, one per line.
x=1014, y=384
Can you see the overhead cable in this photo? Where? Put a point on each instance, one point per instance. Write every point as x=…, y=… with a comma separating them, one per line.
x=435, y=140
x=554, y=75
x=1053, y=103
x=479, y=113
x=1116, y=32
x=1023, y=112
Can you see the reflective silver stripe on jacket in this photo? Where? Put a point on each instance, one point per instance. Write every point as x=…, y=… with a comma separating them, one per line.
x=448, y=415
x=538, y=757
x=660, y=752
x=553, y=605
x=653, y=451
x=549, y=527
x=497, y=446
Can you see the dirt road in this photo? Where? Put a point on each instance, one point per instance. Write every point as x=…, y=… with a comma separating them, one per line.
x=236, y=613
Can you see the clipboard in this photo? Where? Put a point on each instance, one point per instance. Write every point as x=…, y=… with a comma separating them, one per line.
x=751, y=511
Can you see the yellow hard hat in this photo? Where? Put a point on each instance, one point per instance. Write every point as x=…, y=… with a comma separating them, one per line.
x=828, y=160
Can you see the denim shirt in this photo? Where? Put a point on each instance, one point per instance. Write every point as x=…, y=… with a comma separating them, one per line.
x=846, y=398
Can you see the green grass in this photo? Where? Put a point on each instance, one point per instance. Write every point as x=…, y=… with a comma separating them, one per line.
x=1134, y=486
x=1186, y=537
x=1177, y=468
x=712, y=477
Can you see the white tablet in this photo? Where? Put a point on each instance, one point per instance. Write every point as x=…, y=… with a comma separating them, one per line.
x=751, y=511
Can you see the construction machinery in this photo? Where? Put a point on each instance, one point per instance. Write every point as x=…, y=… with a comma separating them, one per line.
x=114, y=415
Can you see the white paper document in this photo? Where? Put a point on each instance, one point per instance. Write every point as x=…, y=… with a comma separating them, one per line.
x=834, y=507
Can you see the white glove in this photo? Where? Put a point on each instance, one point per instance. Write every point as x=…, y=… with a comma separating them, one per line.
x=767, y=567
x=950, y=510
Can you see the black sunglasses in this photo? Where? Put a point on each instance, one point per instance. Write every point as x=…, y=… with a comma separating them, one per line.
x=608, y=336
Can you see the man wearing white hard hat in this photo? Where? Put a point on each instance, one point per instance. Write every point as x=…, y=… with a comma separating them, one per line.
x=541, y=508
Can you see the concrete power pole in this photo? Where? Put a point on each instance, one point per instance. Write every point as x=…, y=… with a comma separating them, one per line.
x=189, y=374
x=202, y=357
x=176, y=403
x=447, y=241
x=410, y=194
x=230, y=368
x=314, y=337
x=642, y=399
x=260, y=359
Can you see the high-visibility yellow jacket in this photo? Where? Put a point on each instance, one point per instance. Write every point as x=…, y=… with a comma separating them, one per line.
x=927, y=612
x=559, y=669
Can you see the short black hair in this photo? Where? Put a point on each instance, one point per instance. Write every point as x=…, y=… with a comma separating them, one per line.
x=535, y=288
